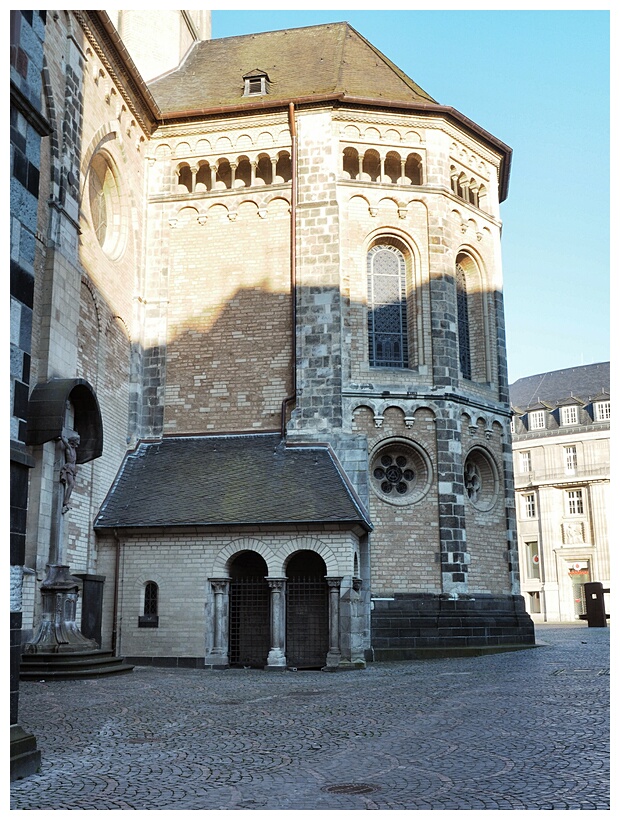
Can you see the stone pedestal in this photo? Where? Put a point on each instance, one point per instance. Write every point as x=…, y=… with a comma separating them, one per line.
x=58, y=631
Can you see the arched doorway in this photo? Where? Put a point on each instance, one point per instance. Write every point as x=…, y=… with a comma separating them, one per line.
x=307, y=611
x=249, y=611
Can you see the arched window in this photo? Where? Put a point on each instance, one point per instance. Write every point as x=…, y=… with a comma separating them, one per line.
x=243, y=173
x=387, y=307
x=151, y=591
x=185, y=178
x=463, y=323
x=350, y=163
x=472, y=320
x=283, y=167
x=413, y=169
x=203, y=177
x=106, y=208
x=371, y=166
x=392, y=167
x=150, y=606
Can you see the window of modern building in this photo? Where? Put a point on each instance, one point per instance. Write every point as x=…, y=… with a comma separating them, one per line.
x=602, y=411
x=529, y=505
x=535, y=603
x=569, y=415
x=537, y=419
x=570, y=458
x=387, y=307
x=525, y=458
x=574, y=500
x=533, y=559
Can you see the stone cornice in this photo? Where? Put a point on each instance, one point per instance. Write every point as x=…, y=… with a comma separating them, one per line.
x=117, y=62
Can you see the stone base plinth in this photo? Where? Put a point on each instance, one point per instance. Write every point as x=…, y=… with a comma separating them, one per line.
x=414, y=626
x=58, y=630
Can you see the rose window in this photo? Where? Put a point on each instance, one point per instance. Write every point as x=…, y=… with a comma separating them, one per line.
x=473, y=482
x=481, y=479
x=400, y=473
x=394, y=474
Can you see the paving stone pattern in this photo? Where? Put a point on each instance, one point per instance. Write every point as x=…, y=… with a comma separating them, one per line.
x=520, y=730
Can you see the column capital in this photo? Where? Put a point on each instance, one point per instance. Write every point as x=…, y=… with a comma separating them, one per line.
x=219, y=584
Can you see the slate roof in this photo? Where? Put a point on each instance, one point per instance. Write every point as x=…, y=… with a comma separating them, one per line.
x=315, y=61
x=229, y=480
x=589, y=382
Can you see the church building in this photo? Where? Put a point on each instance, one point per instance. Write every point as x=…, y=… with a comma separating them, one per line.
x=268, y=420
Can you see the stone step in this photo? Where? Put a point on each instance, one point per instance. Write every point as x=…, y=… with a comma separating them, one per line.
x=71, y=665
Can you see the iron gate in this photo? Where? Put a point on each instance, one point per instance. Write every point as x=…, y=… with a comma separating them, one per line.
x=307, y=622
x=249, y=621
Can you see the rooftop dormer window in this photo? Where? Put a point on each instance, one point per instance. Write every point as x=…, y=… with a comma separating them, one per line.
x=569, y=415
x=602, y=411
x=537, y=420
x=256, y=83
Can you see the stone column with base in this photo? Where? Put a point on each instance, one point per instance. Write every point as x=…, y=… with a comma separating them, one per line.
x=218, y=656
x=333, y=655
x=276, y=660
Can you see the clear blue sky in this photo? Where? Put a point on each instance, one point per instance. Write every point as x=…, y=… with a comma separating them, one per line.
x=539, y=81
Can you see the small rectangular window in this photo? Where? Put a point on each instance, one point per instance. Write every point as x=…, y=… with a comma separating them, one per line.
x=575, y=502
x=526, y=461
x=537, y=420
x=602, y=411
x=533, y=559
x=570, y=458
x=569, y=415
x=535, y=603
x=529, y=505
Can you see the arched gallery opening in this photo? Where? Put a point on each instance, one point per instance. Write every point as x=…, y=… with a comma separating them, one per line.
x=307, y=611
x=249, y=638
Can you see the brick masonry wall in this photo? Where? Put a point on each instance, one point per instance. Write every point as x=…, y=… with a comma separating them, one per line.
x=488, y=568
x=319, y=350
x=228, y=364
x=404, y=546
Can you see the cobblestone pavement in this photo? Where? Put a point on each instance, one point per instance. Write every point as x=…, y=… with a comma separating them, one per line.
x=520, y=730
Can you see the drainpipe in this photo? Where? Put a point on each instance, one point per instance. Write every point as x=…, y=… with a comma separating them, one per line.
x=293, y=262
x=117, y=562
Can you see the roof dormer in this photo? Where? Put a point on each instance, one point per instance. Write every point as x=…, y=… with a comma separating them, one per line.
x=256, y=83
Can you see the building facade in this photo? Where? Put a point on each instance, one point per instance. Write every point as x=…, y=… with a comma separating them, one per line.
x=561, y=451
x=269, y=344
x=28, y=126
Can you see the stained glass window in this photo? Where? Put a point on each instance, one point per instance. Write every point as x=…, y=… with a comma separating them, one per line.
x=387, y=307
x=463, y=323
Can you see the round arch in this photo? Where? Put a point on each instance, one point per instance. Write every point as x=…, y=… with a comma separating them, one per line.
x=310, y=544
x=223, y=559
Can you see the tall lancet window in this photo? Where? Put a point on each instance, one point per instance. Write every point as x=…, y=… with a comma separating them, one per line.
x=463, y=323
x=387, y=307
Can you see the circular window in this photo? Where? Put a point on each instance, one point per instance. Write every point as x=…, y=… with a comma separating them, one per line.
x=481, y=481
x=400, y=472
x=105, y=205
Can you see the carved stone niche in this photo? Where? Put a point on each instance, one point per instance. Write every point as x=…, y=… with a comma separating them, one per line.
x=573, y=532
